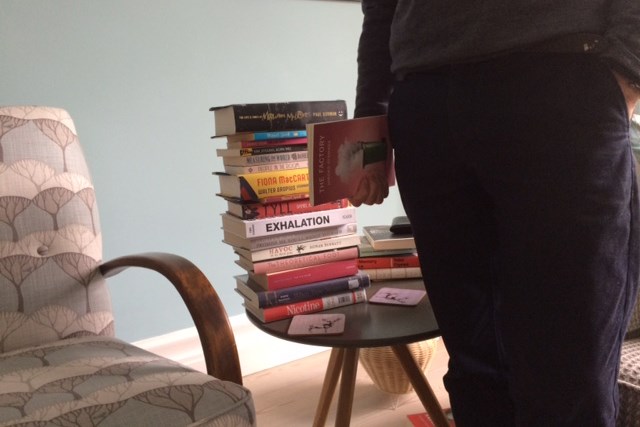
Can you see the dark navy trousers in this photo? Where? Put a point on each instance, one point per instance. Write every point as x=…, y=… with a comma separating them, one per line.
x=518, y=177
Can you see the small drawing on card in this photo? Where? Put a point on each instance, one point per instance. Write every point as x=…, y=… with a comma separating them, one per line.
x=317, y=324
x=395, y=296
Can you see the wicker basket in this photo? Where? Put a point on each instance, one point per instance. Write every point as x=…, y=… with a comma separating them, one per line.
x=386, y=371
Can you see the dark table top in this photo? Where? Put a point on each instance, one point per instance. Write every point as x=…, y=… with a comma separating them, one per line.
x=368, y=324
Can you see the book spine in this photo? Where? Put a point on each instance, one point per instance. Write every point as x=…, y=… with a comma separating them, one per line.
x=268, y=167
x=287, y=311
x=287, y=207
x=279, y=264
x=267, y=136
x=254, y=186
x=393, y=273
x=313, y=290
x=276, y=116
x=305, y=275
x=253, y=228
x=266, y=143
x=295, y=156
x=299, y=238
x=388, y=262
x=303, y=247
x=259, y=151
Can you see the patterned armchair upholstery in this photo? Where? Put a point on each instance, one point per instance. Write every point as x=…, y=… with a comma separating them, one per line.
x=629, y=378
x=60, y=363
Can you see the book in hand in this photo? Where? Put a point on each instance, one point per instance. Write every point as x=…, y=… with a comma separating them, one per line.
x=346, y=157
x=275, y=116
x=253, y=210
x=317, y=324
x=287, y=263
x=255, y=295
x=286, y=311
x=300, y=248
x=398, y=296
x=250, y=228
x=380, y=238
x=304, y=275
x=256, y=187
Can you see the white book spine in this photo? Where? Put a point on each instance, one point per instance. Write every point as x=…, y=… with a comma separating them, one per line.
x=266, y=242
x=288, y=223
x=302, y=248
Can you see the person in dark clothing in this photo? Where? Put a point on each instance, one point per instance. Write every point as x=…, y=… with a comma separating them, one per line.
x=510, y=125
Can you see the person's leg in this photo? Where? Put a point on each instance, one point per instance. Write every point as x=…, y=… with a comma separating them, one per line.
x=555, y=157
x=451, y=218
x=535, y=149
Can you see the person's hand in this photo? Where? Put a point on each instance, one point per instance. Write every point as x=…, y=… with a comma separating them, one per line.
x=372, y=189
x=631, y=94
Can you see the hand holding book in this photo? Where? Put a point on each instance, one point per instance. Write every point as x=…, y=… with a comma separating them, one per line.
x=372, y=189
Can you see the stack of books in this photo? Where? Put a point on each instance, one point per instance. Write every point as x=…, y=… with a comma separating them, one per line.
x=385, y=255
x=299, y=257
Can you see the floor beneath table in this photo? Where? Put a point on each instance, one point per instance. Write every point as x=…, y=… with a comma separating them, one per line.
x=287, y=395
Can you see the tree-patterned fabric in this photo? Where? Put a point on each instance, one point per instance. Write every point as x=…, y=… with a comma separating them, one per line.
x=60, y=364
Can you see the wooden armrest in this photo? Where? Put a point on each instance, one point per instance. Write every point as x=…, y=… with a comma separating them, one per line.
x=203, y=303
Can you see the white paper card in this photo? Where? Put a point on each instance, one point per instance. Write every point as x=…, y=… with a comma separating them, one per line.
x=317, y=324
x=395, y=296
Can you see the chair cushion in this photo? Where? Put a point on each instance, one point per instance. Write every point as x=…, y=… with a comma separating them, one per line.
x=50, y=238
x=629, y=384
x=105, y=381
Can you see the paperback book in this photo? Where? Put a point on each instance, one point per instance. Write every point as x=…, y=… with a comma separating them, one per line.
x=393, y=273
x=286, y=311
x=312, y=246
x=297, y=261
x=365, y=250
x=256, y=296
x=275, y=116
x=259, y=151
x=265, y=159
x=267, y=167
x=298, y=238
x=393, y=261
x=286, y=207
x=254, y=187
x=267, y=143
x=304, y=275
x=347, y=157
x=251, y=228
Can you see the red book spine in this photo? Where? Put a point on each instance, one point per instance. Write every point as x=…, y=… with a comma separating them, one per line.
x=287, y=207
x=280, y=264
x=388, y=262
x=304, y=275
x=279, y=312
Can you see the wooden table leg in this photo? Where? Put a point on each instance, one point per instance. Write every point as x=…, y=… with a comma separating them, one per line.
x=420, y=385
x=347, y=387
x=329, y=386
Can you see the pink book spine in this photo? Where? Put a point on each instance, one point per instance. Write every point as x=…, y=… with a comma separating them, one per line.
x=281, y=264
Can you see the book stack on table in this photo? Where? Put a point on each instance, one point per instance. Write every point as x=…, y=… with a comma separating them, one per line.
x=299, y=257
x=385, y=255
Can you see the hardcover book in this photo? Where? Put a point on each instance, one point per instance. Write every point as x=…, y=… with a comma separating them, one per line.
x=299, y=238
x=251, y=228
x=380, y=237
x=393, y=273
x=305, y=275
x=255, y=187
x=287, y=207
x=256, y=296
x=346, y=157
x=335, y=242
x=275, y=116
x=286, y=311
x=297, y=261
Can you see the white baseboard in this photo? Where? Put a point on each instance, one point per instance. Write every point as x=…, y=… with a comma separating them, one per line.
x=257, y=350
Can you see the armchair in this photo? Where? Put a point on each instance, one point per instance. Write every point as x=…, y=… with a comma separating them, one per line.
x=60, y=363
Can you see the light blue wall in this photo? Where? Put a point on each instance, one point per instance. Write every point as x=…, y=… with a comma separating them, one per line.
x=139, y=77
